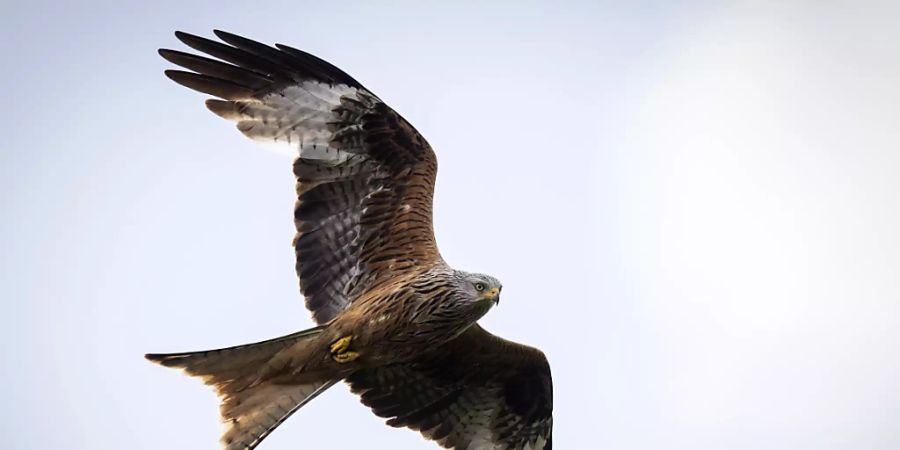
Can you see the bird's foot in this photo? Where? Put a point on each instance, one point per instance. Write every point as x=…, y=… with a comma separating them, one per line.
x=341, y=345
x=345, y=357
x=339, y=350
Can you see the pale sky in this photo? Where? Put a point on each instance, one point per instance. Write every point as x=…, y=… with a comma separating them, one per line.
x=694, y=212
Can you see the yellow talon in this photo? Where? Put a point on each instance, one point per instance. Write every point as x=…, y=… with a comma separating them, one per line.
x=345, y=357
x=340, y=350
x=341, y=345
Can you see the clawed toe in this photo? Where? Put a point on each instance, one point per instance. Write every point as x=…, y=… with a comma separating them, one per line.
x=340, y=350
x=345, y=357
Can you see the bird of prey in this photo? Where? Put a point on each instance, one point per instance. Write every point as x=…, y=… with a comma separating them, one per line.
x=395, y=321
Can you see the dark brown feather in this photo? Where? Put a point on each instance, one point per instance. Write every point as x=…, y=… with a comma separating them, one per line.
x=233, y=55
x=210, y=85
x=477, y=376
x=216, y=69
x=324, y=70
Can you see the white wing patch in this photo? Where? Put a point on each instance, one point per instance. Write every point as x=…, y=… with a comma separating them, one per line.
x=293, y=121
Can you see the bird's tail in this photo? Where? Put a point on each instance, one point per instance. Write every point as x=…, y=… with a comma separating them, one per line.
x=251, y=407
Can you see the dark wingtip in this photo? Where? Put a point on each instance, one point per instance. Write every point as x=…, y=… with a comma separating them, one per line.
x=168, y=54
x=174, y=75
x=224, y=35
x=166, y=359
x=209, y=85
x=181, y=35
x=155, y=357
x=192, y=40
x=235, y=40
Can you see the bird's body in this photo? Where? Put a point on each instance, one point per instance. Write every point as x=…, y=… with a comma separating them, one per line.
x=389, y=326
x=395, y=321
x=410, y=315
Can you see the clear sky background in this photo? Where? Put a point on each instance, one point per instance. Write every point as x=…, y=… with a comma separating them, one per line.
x=694, y=208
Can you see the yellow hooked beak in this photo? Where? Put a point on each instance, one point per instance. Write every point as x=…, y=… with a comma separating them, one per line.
x=493, y=295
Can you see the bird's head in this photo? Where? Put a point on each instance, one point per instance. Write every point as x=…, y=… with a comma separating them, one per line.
x=481, y=287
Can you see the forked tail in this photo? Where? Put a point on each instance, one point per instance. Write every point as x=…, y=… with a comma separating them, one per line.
x=251, y=408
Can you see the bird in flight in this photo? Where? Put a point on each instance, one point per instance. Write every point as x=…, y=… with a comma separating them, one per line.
x=394, y=320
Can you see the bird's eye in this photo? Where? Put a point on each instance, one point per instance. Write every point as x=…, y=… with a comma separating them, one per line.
x=479, y=287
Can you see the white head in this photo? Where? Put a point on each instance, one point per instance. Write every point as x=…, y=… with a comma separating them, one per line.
x=480, y=287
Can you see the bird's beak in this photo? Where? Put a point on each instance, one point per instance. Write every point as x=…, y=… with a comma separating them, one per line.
x=493, y=295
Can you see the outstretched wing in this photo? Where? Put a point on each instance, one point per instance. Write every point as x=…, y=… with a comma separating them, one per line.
x=365, y=177
x=476, y=392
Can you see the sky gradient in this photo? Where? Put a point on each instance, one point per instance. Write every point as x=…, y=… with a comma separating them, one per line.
x=693, y=208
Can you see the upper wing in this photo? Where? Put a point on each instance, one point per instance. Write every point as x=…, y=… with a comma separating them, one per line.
x=476, y=392
x=365, y=177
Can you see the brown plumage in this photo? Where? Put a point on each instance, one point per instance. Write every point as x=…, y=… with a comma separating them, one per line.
x=396, y=322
